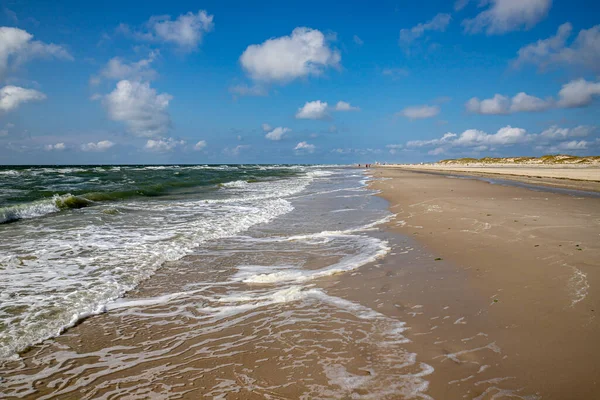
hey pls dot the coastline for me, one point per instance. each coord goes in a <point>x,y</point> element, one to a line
<point>531,256</point>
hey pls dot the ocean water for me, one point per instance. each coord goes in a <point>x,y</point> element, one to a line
<point>210,274</point>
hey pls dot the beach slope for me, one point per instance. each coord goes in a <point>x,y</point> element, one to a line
<point>531,255</point>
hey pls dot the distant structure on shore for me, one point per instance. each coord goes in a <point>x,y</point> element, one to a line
<point>547,159</point>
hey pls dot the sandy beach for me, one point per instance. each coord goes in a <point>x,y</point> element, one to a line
<point>530,261</point>
<point>583,177</point>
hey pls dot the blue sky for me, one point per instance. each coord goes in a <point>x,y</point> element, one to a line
<point>297,82</point>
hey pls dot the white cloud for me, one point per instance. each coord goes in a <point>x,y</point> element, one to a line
<point>186,32</point>
<point>438,23</point>
<point>556,133</point>
<point>578,93</point>
<point>17,47</point>
<point>304,147</point>
<point>361,152</point>
<point>573,145</point>
<point>584,51</point>
<point>140,108</point>
<point>447,138</point>
<point>13,96</point>
<point>305,52</point>
<point>344,106</point>
<point>266,127</point>
<point>277,133</point>
<point>508,15</point>
<point>420,112</point>
<point>524,102</point>
<point>503,137</point>
<point>478,140</point>
<point>497,105</point>
<point>100,146</point>
<point>163,145</point>
<point>55,147</point>
<point>235,150</point>
<point>358,40</point>
<point>118,69</point>
<point>200,145</point>
<point>437,151</point>
<point>313,110</point>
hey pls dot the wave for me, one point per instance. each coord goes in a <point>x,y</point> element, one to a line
<point>42,207</point>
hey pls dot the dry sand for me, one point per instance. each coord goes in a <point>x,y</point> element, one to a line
<point>586,177</point>
<point>522,268</point>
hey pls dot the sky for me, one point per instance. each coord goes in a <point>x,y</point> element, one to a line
<point>297,82</point>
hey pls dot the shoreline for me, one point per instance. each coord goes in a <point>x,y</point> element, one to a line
<point>530,255</point>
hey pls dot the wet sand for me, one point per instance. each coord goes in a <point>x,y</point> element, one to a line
<point>524,272</point>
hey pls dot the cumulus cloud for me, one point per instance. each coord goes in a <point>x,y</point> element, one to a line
<point>508,15</point>
<point>277,133</point>
<point>119,69</point>
<point>186,32</point>
<point>409,36</point>
<point>524,102</point>
<point>420,112</point>
<point>313,110</point>
<point>578,93</point>
<point>498,105</point>
<point>583,52</point>
<point>103,145</point>
<point>344,106</point>
<point>200,145</point>
<point>477,140</point>
<point>573,145</point>
<point>17,47</point>
<point>143,111</point>
<point>55,147</point>
<point>305,52</point>
<point>556,133</point>
<point>304,147</point>
<point>163,145</point>
<point>266,127</point>
<point>13,96</point>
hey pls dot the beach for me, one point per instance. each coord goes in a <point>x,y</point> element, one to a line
<point>574,176</point>
<point>315,282</point>
<point>529,257</point>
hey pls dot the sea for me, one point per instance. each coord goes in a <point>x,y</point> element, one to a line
<point>172,281</point>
